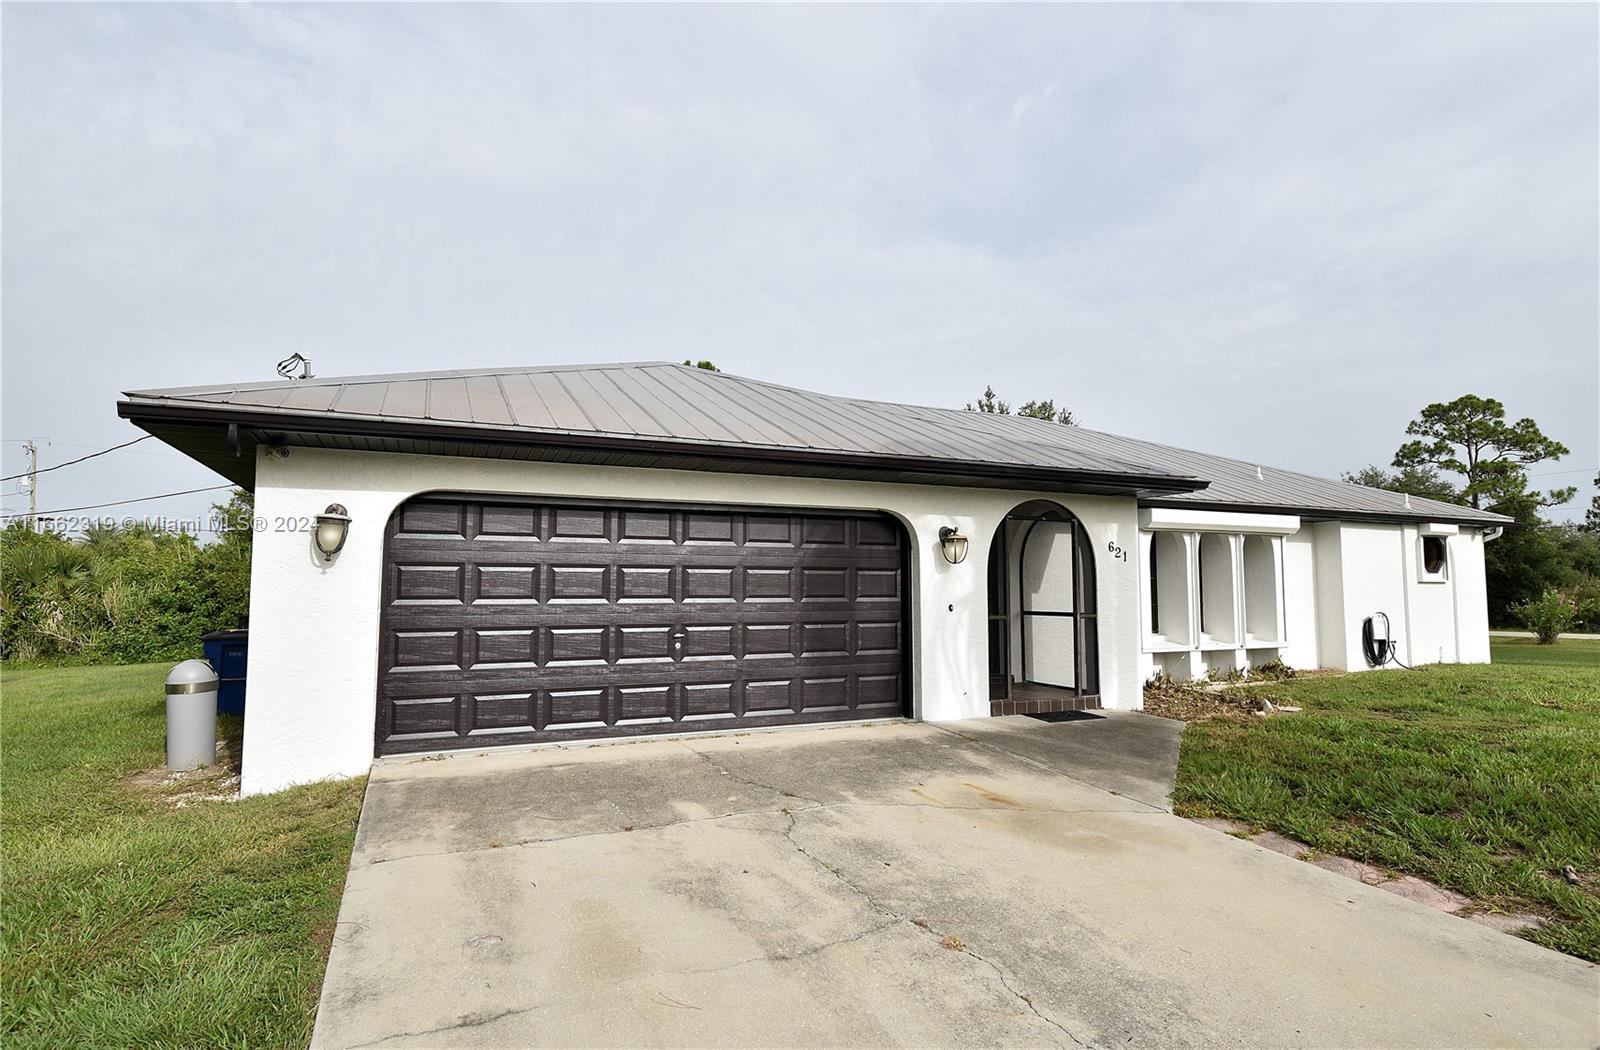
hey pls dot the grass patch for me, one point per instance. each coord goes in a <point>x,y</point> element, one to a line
<point>130,921</point>
<point>1527,652</point>
<point>1484,779</point>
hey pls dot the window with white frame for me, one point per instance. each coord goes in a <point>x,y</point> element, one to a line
<point>1433,559</point>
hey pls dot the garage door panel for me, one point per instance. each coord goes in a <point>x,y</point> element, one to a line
<point>823,532</point>
<point>492,615</point>
<point>423,518</point>
<point>575,708</point>
<point>504,712</point>
<point>432,717</point>
<point>645,526</point>
<point>579,645</point>
<point>429,519</point>
<point>492,678</point>
<point>586,524</point>
<point>481,550</point>
<point>508,522</point>
<point>427,649</point>
<point>500,584</point>
<point>511,643</point>
<point>428,583</point>
<point>430,723</point>
<point>877,532</point>
<point>769,695</point>
<point>505,647</point>
<point>709,699</point>
<point>508,622</point>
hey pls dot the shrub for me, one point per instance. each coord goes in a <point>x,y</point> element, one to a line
<point>1586,592</point>
<point>1549,614</point>
<point>117,595</point>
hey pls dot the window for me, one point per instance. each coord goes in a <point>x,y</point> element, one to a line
<point>1434,558</point>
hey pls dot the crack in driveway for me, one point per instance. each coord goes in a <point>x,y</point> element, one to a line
<point>477,1020</point>
<point>945,940</point>
<point>742,778</point>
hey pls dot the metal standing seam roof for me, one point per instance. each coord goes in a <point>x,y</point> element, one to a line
<point>1245,485</point>
<point>673,406</point>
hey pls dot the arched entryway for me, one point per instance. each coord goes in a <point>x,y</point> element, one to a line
<point>1044,640</point>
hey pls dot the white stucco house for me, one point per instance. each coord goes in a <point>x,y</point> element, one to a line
<point>552,554</point>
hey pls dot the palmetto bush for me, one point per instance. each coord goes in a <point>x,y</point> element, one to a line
<point>116,595</point>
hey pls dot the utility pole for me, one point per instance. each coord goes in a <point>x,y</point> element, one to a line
<point>33,485</point>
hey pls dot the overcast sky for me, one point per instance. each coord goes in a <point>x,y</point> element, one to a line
<point>1273,232</point>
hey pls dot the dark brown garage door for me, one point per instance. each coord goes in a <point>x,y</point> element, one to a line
<point>519,622</point>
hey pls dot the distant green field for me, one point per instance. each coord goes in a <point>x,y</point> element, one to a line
<point>1567,652</point>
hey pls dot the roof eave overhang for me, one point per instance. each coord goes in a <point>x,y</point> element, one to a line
<point>225,437</point>
<point>1478,519</point>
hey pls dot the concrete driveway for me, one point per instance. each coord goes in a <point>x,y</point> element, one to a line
<point>999,882</point>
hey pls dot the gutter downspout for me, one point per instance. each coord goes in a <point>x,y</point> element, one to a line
<point>1494,533</point>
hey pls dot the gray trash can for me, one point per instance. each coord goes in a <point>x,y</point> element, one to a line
<point>191,715</point>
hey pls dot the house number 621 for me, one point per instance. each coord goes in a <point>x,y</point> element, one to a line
<point>1117,551</point>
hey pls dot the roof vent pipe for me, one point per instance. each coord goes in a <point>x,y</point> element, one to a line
<point>295,362</point>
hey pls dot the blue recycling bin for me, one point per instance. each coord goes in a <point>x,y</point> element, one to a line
<point>228,653</point>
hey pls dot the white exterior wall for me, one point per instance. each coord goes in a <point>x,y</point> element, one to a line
<point>314,626</point>
<point>1334,575</point>
<point>1443,621</point>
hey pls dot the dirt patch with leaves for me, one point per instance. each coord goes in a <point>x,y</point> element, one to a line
<point>1189,702</point>
<point>1236,695</point>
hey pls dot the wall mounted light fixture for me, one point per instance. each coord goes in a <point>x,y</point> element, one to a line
<point>954,545</point>
<point>333,525</point>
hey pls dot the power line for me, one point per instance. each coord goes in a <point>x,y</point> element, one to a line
<point>121,502</point>
<point>59,484</point>
<point>80,459</point>
<point>78,444</point>
<point>1553,473</point>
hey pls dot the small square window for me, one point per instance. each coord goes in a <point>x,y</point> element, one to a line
<point>1435,559</point>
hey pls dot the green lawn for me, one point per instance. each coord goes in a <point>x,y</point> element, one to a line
<point>131,922</point>
<point>1526,652</point>
<point>1484,779</point>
